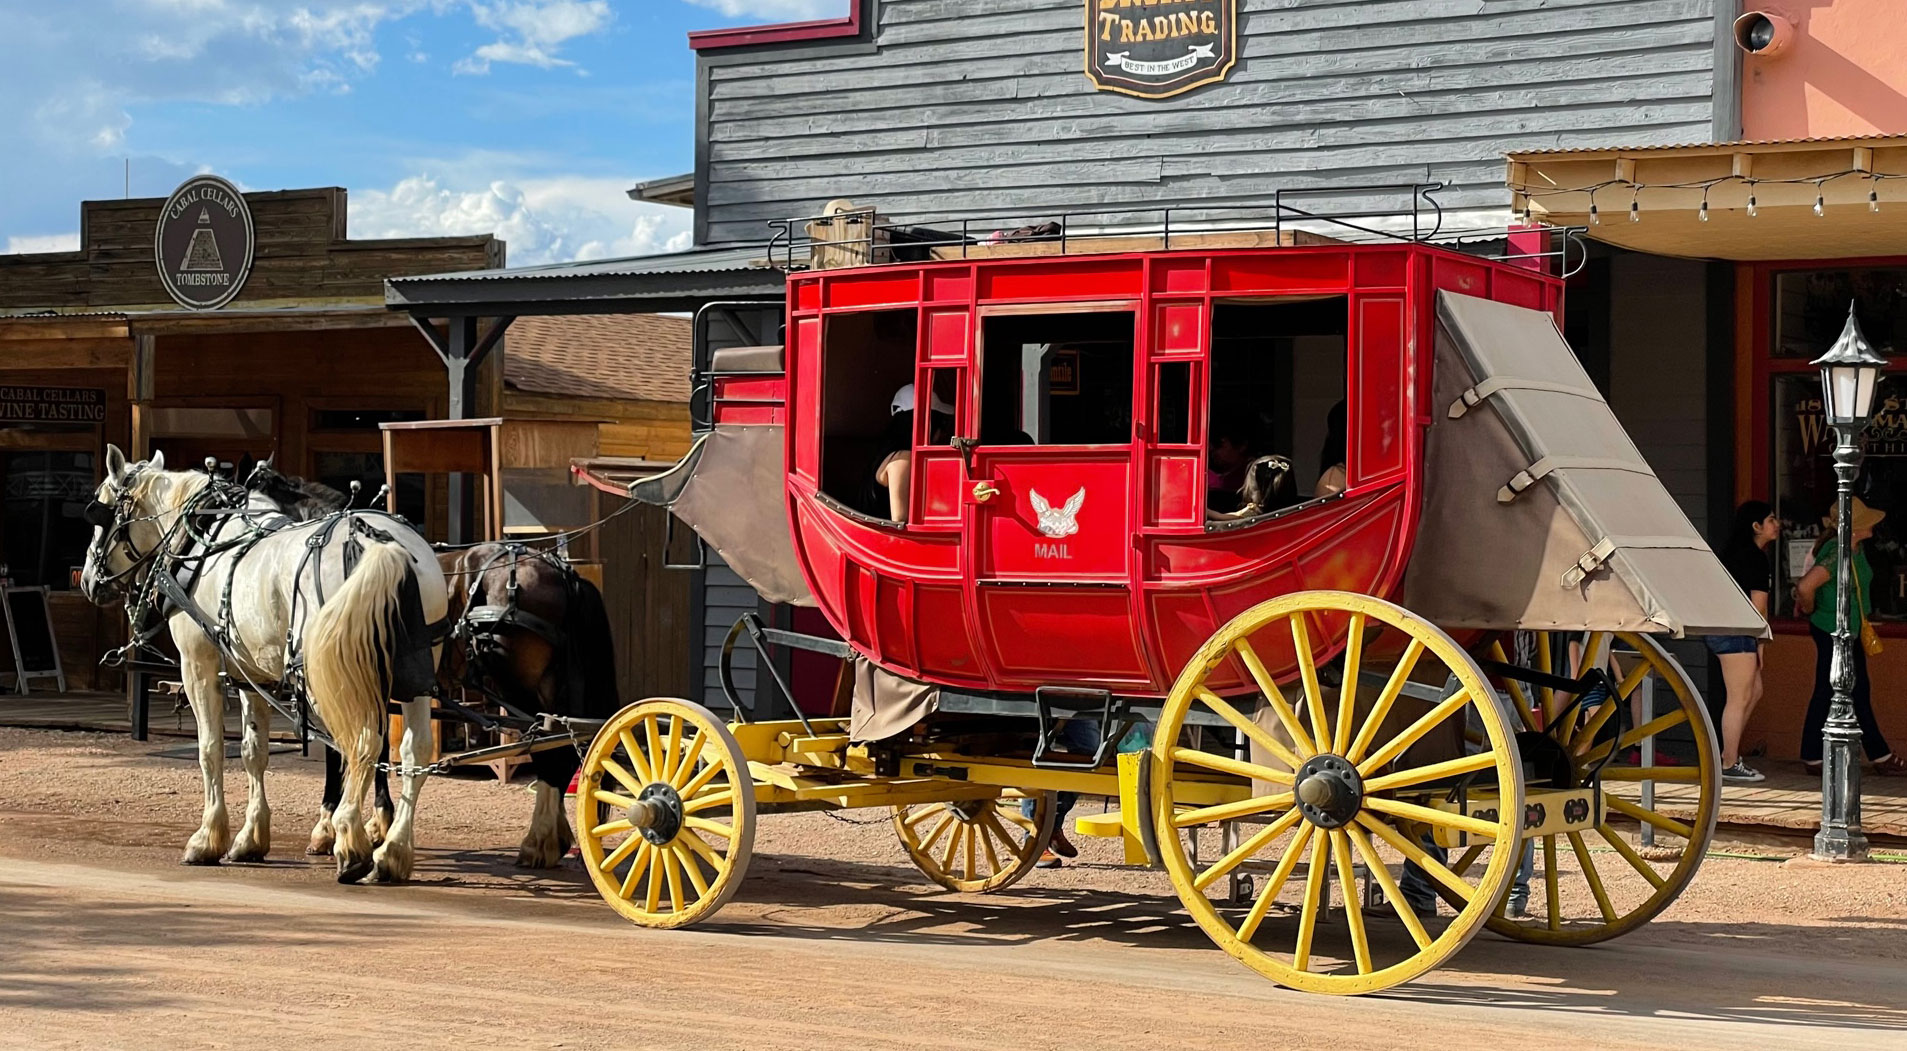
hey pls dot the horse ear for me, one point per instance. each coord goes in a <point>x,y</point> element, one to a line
<point>115,461</point>
<point>158,460</point>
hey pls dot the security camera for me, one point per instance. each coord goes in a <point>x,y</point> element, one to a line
<point>1762,34</point>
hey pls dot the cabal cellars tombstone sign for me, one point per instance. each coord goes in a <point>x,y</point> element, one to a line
<point>1157,48</point>
<point>204,243</point>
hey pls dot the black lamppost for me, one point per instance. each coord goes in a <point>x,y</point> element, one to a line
<point>1850,371</point>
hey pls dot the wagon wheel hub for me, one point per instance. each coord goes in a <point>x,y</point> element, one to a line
<point>1329,791</point>
<point>657,814</point>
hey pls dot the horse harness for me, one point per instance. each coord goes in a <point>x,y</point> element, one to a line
<point>480,627</point>
<point>180,558</point>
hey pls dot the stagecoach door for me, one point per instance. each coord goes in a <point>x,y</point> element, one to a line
<point>1049,491</point>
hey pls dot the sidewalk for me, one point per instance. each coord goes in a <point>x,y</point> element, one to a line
<point>99,711</point>
<point>1788,802</point>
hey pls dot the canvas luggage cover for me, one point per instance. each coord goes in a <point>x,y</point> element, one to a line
<point>728,488</point>
<point>1539,513</point>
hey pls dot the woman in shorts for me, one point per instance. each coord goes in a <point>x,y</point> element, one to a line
<point>1744,553</point>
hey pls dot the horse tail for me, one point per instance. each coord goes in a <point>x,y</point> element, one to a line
<point>356,643</point>
<point>592,649</point>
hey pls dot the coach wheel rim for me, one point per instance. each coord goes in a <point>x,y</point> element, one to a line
<point>665,813</point>
<point>976,846</point>
<point>1573,898</point>
<point>1366,788</point>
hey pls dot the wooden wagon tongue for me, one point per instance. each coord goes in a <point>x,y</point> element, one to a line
<point>1539,512</point>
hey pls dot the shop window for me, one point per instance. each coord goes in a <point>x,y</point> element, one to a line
<point>866,358</point>
<point>257,424</point>
<point>44,531</point>
<point>1811,307</point>
<point>1278,388</point>
<point>1057,379</point>
<point>1804,487</point>
<point>339,469</point>
<point>360,419</point>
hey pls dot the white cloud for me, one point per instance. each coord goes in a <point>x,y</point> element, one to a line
<point>778,10</point>
<point>542,220</point>
<point>72,76</point>
<point>531,32</point>
<point>43,243</point>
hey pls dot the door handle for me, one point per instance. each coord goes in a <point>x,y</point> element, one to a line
<point>984,491</point>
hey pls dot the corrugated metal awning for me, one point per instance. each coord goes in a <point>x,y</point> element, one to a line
<point>651,284</point>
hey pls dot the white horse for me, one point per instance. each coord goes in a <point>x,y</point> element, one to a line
<point>362,636</point>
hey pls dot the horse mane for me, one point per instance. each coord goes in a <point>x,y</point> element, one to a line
<point>299,499</point>
<point>592,648</point>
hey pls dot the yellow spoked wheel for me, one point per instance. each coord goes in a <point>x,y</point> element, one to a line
<point>1334,774</point>
<point>977,845</point>
<point>1588,887</point>
<point>665,811</point>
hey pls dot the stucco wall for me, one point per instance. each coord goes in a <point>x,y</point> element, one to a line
<point>1844,72</point>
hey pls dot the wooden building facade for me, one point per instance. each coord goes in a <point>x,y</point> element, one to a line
<point>945,110</point>
<point>304,364</point>
<point>301,364</point>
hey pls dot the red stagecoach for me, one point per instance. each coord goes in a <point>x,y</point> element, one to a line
<point>1339,717</point>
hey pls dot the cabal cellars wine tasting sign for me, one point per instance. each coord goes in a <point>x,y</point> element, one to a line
<point>204,243</point>
<point>1157,48</point>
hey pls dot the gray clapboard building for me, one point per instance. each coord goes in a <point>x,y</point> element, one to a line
<point>949,109</point>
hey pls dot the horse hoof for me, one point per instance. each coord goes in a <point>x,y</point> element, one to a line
<point>317,849</point>
<point>199,860</point>
<point>354,872</point>
<point>243,857</point>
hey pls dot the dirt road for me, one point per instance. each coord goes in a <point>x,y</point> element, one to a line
<point>833,942</point>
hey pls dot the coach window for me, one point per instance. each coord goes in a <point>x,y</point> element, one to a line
<point>866,358</point>
<point>1057,379</point>
<point>1278,377</point>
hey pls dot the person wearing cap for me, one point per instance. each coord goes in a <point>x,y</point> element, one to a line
<point>1816,596</point>
<point>893,468</point>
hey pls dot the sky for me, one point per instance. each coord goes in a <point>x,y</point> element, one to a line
<point>529,119</point>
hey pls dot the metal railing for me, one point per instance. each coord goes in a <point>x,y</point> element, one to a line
<point>794,242</point>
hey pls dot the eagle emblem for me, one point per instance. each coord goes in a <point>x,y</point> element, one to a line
<point>1062,521</point>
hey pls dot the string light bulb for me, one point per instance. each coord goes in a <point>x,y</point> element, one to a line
<point>1635,203</point>
<point>1751,200</point>
<point>1874,195</point>
<point>1595,218</point>
<point>1820,204</point>
<point>1703,214</point>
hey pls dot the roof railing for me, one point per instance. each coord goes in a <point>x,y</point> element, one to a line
<point>855,236</point>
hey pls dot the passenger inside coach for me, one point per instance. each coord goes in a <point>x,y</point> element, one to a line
<point>888,489</point>
<point>1277,368</point>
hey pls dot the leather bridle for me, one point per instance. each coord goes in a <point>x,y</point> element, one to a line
<point>115,522</point>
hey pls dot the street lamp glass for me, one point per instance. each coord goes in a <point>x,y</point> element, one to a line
<point>1849,392</point>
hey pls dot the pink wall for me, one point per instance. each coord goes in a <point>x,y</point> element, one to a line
<point>1844,73</point>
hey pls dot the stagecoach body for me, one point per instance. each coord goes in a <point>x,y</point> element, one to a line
<point>1058,561</point>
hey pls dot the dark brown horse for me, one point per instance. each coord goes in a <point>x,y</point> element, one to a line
<point>526,631</point>
<point>533,634</point>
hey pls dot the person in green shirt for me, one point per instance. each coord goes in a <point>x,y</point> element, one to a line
<point>1816,595</point>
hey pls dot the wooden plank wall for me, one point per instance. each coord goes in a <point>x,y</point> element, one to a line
<point>971,110</point>
<point>649,606</point>
<point>301,255</point>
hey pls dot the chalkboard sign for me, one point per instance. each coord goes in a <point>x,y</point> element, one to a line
<point>36,653</point>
